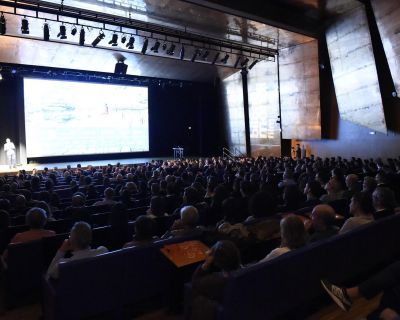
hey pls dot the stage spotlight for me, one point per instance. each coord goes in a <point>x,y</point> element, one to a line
<point>82,37</point>
<point>63,32</point>
<point>182,53</point>
<point>156,47</point>
<point>253,64</point>
<point>74,31</point>
<point>123,39</point>
<point>224,60</point>
<point>196,53</point>
<point>120,68</point>
<point>114,40</point>
<point>46,32</point>
<point>3,26</point>
<point>205,55</point>
<point>237,62</point>
<point>131,43</point>
<point>244,62</point>
<point>171,50</point>
<point>100,37</point>
<point>164,46</point>
<point>216,58</point>
<point>24,26</point>
<point>145,45</point>
<point>1,76</point>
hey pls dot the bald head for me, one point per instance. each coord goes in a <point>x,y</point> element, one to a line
<point>351,181</point>
<point>189,216</point>
<point>323,217</point>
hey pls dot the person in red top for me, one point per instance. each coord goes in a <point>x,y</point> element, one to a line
<point>36,219</point>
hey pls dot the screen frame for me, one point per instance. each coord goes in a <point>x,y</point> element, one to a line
<point>87,156</point>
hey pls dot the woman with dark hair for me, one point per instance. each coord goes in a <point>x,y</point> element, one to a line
<point>293,235</point>
<point>210,278</point>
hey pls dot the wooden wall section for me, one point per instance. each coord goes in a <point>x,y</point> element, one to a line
<point>354,71</point>
<point>300,92</point>
<point>387,14</point>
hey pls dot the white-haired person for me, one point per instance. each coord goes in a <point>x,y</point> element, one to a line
<point>187,225</point>
<point>78,244</point>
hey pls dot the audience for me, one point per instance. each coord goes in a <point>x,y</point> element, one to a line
<point>186,225</point>
<point>293,235</point>
<point>384,202</point>
<point>362,210</point>
<point>78,244</point>
<point>323,222</point>
<point>36,219</point>
<point>144,232</point>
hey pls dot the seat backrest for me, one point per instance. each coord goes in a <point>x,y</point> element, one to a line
<point>25,268</point>
<point>91,286</point>
<point>268,290</point>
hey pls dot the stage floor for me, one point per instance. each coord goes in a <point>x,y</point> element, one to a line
<point>62,165</point>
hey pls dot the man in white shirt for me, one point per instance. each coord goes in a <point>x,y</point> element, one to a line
<point>79,243</point>
<point>9,149</point>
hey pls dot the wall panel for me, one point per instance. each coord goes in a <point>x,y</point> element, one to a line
<point>354,71</point>
<point>300,94</point>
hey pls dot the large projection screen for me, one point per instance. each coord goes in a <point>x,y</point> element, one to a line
<point>76,118</point>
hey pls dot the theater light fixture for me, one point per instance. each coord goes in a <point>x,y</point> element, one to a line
<point>216,58</point>
<point>244,62</point>
<point>123,39</point>
<point>82,37</point>
<point>171,50</point>
<point>145,45</point>
<point>100,37</point>
<point>63,32</point>
<point>156,47</point>
<point>3,25</point>
<point>164,46</point>
<point>46,32</point>
<point>224,60</point>
<point>114,40</point>
<point>120,68</point>
<point>195,54</point>
<point>131,43</point>
<point>182,53</point>
<point>253,64</point>
<point>205,55</point>
<point>237,62</point>
<point>74,30</point>
<point>24,26</point>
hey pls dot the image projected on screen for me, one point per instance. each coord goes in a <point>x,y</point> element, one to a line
<point>74,118</point>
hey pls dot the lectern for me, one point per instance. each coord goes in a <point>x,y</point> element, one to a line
<point>178,153</point>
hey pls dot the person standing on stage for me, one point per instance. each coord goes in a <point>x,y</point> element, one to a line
<point>9,149</point>
<point>298,152</point>
<point>303,152</point>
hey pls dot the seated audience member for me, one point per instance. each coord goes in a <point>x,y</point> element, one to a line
<point>4,223</point>
<point>36,219</point>
<point>334,189</point>
<point>77,211</point>
<point>262,225</point>
<point>173,200</point>
<point>157,207</point>
<point>20,207</point>
<point>118,234</point>
<point>230,225</point>
<point>144,232</point>
<point>313,191</point>
<point>362,210</point>
<point>369,184</point>
<point>288,180</point>
<point>210,278</point>
<point>384,202</point>
<point>108,198</point>
<point>293,234</point>
<point>91,192</point>
<point>186,225</point>
<point>5,205</point>
<point>386,281</point>
<point>43,205</point>
<point>214,213</point>
<point>323,222</point>
<point>353,186</point>
<point>79,244</point>
<point>292,199</point>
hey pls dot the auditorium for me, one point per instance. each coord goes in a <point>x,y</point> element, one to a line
<point>199,159</point>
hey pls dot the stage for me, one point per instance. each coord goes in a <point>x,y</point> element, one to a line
<point>4,169</point>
